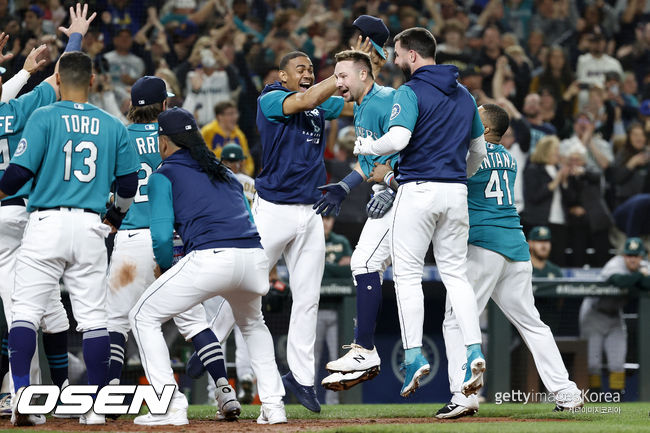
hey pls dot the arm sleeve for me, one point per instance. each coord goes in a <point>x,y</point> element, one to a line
<point>14,178</point>
<point>625,280</point>
<point>11,88</point>
<point>248,208</point>
<point>271,105</point>
<point>125,188</point>
<point>477,126</point>
<point>476,155</point>
<point>23,107</point>
<point>393,141</point>
<point>32,147</point>
<point>332,107</point>
<point>162,219</point>
<point>127,157</point>
<point>405,110</point>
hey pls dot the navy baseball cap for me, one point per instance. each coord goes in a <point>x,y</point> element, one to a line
<point>644,108</point>
<point>37,10</point>
<point>375,29</point>
<point>176,121</point>
<point>634,247</point>
<point>232,152</point>
<point>149,90</point>
<point>539,233</point>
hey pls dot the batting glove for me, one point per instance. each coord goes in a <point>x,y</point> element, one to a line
<point>115,216</point>
<point>336,193</point>
<point>362,146</point>
<point>380,203</point>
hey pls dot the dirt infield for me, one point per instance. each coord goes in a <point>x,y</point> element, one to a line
<point>249,425</point>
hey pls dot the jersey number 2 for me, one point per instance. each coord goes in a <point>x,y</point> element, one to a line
<point>147,170</point>
<point>493,187</point>
<point>89,161</point>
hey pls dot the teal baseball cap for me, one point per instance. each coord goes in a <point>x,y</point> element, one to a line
<point>375,29</point>
<point>634,247</point>
<point>539,233</point>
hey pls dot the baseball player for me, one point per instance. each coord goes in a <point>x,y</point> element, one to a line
<point>601,319</point>
<point>501,269</point>
<point>74,152</point>
<point>539,243</point>
<point>291,116</point>
<point>433,123</point>
<point>132,261</point>
<point>355,80</point>
<point>13,214</point>
<point>232,156</point>
<point>196,194</point>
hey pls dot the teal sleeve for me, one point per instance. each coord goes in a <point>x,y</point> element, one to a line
<point>23,107</point>
<point>405,109</point>
<point>332,107</point>
<point>477,125</point>
<point>127,156</point>
<point>248,208</point>
<point>271,105</point>
<point>162,219</point>
<point>347,249</point>
<point>32,146</point>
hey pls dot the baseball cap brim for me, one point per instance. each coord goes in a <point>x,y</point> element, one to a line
<point>379,49</point>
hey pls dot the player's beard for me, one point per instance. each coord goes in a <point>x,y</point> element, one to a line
<point>407,71</point>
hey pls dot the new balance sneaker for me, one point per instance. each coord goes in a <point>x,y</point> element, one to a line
<point>92,418</point>
<point>272,414</point>
<point>475,368</point>
<point>414,372</point>
<point>358,358</point>
<point>246,390</point>
<point>23,420</point>
<point>344,381</point>
<point>306,395</point>
<point>568,400</point>
<point>5,404</point>
<point>195,367</point>
<point>229,407</point>
<point>453,411</point>
<point>176,414</point>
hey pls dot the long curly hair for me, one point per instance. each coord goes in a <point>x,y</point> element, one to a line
<point>193,141</point>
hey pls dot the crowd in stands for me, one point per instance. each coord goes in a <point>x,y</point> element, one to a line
<point>574,76</point>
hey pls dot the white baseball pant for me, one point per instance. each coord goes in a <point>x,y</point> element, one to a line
<point>240,275</point>
<point>603,331</point>
<point>372,253</point>
<point>426,212</point>
<point>509,284</point>
<point>295,231</point>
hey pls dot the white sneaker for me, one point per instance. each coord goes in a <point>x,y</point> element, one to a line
<point>344,381</point>
<point>229,407</point>
<point>5,404</point>
<point>92,418</point>
<point>272,414</point>
<point>358,358</point>
<point>23,420</point>
<point>568,400</point>
<point>176,414</point>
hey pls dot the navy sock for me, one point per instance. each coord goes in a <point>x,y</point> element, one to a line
<point>22,345</point>
<point>368,303</point>
<point>96,349</point>
<point>117,357</point>
<point>56,350</point>
<point>4,356</point>
<point>209,350</point>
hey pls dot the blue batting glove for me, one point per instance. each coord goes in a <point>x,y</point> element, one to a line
<point>331,201</point>
<point>380,203</point>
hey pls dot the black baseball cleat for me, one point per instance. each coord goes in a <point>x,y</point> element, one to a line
<point>453,411</point>
<point>306,395</point>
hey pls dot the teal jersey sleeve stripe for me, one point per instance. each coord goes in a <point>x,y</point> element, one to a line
<point>271,105</point>
<point>248,208</point>
<point>405,109</point>
<point>477,125</point>
<point>332,107</point>
<point>162,219</point>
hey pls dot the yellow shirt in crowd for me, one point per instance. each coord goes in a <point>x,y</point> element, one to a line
<point>215,139</point>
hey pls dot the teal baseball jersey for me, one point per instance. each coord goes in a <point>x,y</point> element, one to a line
<point>13,117</point>
<point>493,220</point>
<point>75,152</point>
<point>145,138</point>
<point>371,119</point>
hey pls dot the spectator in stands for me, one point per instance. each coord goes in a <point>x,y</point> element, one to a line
<point>533,113</point>
<point>183,38</point>
<point>593,66</point>
<point>5,15</point>
<point>629,93</point>
<point>555,19</point>
<point>601,319</point>
<point>223,130</point>
<point>544,179</point>
<point>632,165</point>
<point>588,218</point>
<point>536,49</point>
<point>33,23</point>
<point>539,242</point>
<point>124,67</point>
<point>556,76</point>
<point>599,152</point>
<point>488,55</point>
<point>123,14</point>
<point>337,265</point>
<point>233,157</point>
<point>452,50</point>
<point>552,113</point>
<point>516,17</point>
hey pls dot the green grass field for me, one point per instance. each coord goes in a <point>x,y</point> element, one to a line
<point>619,417</point>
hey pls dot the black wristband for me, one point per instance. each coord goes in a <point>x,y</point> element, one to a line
<point>114,216</point>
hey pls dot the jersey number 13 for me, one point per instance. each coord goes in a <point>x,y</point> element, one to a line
<point>90,166</point>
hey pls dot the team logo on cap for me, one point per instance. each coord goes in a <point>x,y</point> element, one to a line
<point>188,127</point>
<point>543,231</point>
<point>395,111</point>
<point>141,101</point>
<point>634,245</point>
<point>22,146</point>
